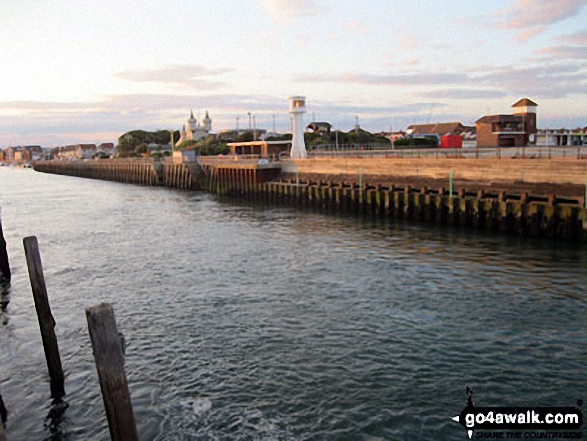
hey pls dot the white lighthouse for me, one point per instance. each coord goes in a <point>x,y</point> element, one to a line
<point>297,108</point>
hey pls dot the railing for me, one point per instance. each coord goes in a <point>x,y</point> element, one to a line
<point>541,152</point>
<point>237,159</point>
<point>149,160</point>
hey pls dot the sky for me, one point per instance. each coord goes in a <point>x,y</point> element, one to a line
<point>87,71</point>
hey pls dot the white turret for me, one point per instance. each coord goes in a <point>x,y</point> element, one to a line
<point>192,126</point>
<point>207,122</point>
<point>297,108</point>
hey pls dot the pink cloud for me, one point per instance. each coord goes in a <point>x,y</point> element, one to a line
<point>578,38</point>
<point>186,75</point>
<point>531,17</point>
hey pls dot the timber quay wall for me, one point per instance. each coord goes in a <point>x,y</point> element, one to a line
<point>523,214</point>
<point>518,212</point>
<point>151,173</point>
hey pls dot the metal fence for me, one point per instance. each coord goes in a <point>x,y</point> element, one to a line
<point>540,152</point>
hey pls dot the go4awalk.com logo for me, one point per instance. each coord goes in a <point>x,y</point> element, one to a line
<point>521,422</point>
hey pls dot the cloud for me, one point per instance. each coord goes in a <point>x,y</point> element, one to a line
<point>187,75</point>
<point>552,81</point>
<point>292,9</point>
<point>413,79</point>
<point>463,94</point>
<point>60,123</point>
<point>578,38</point>
<point>531,17</point>
<point>565,52</point>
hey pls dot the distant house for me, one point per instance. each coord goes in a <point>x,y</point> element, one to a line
<point>8,154</point>
<point>562,137</point>
<point>106,147</point>
<point>21,155</point>
<point>85,151</point>
<point>36,152</point>
<point>515,130</point>
<point>438,129</point>
<point>322,128</point>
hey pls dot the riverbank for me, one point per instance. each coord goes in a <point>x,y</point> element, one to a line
<point>529,197</point>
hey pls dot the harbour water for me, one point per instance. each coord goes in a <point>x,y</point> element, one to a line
<point>252,322</point>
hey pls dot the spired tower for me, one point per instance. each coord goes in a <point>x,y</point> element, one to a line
<point>192,127</point>
<point>207,122</point>
<point>527,110</point>
<point>297,108</point>
<point>194,131</point>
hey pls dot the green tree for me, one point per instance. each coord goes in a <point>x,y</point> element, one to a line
<point>142,148</point>
<point>245,137</point>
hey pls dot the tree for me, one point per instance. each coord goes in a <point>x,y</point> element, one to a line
<point>142,148</point>
<point>129,141</point>
<point>245,137</point>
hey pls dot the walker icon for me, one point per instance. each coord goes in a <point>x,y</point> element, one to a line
<point>470,407</point>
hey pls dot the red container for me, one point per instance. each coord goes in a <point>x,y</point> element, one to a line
<point>451,142</point>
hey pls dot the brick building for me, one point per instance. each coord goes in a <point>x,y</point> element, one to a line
<point>515,130</point>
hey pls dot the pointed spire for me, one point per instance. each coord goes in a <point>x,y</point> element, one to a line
<point>191,113</point>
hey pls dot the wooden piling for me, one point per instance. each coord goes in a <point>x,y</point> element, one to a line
<point>5,274</point>
<point>46,320</point>
<point>3,418</point>
<point>109,360</point>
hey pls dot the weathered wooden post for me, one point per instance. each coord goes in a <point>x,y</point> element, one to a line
<point>5,274</point>
<point>3,418</point>
<point>109,361</point>
<point>46,320</point>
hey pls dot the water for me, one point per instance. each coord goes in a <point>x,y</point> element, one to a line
<point>248,322</point>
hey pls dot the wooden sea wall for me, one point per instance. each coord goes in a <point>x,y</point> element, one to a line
<point>518,212</point>
<point>523,213</point>
<point>150,173</point>
<point>505,170</point>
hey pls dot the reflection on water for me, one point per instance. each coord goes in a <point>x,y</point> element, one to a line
<point>255,322</point>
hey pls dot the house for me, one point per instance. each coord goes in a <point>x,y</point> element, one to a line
<point>9,154</point>
<point>21,155</point>
<point>322,128</point>
<point>438,129</point>
<point>36,152</point>
<point>107,148</point>
<point>85,151</point>
<point>67,152</point>
<point>561,137</point>
<point>515,130</point>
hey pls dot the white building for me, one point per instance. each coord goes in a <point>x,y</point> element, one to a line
<point>192,131</point>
